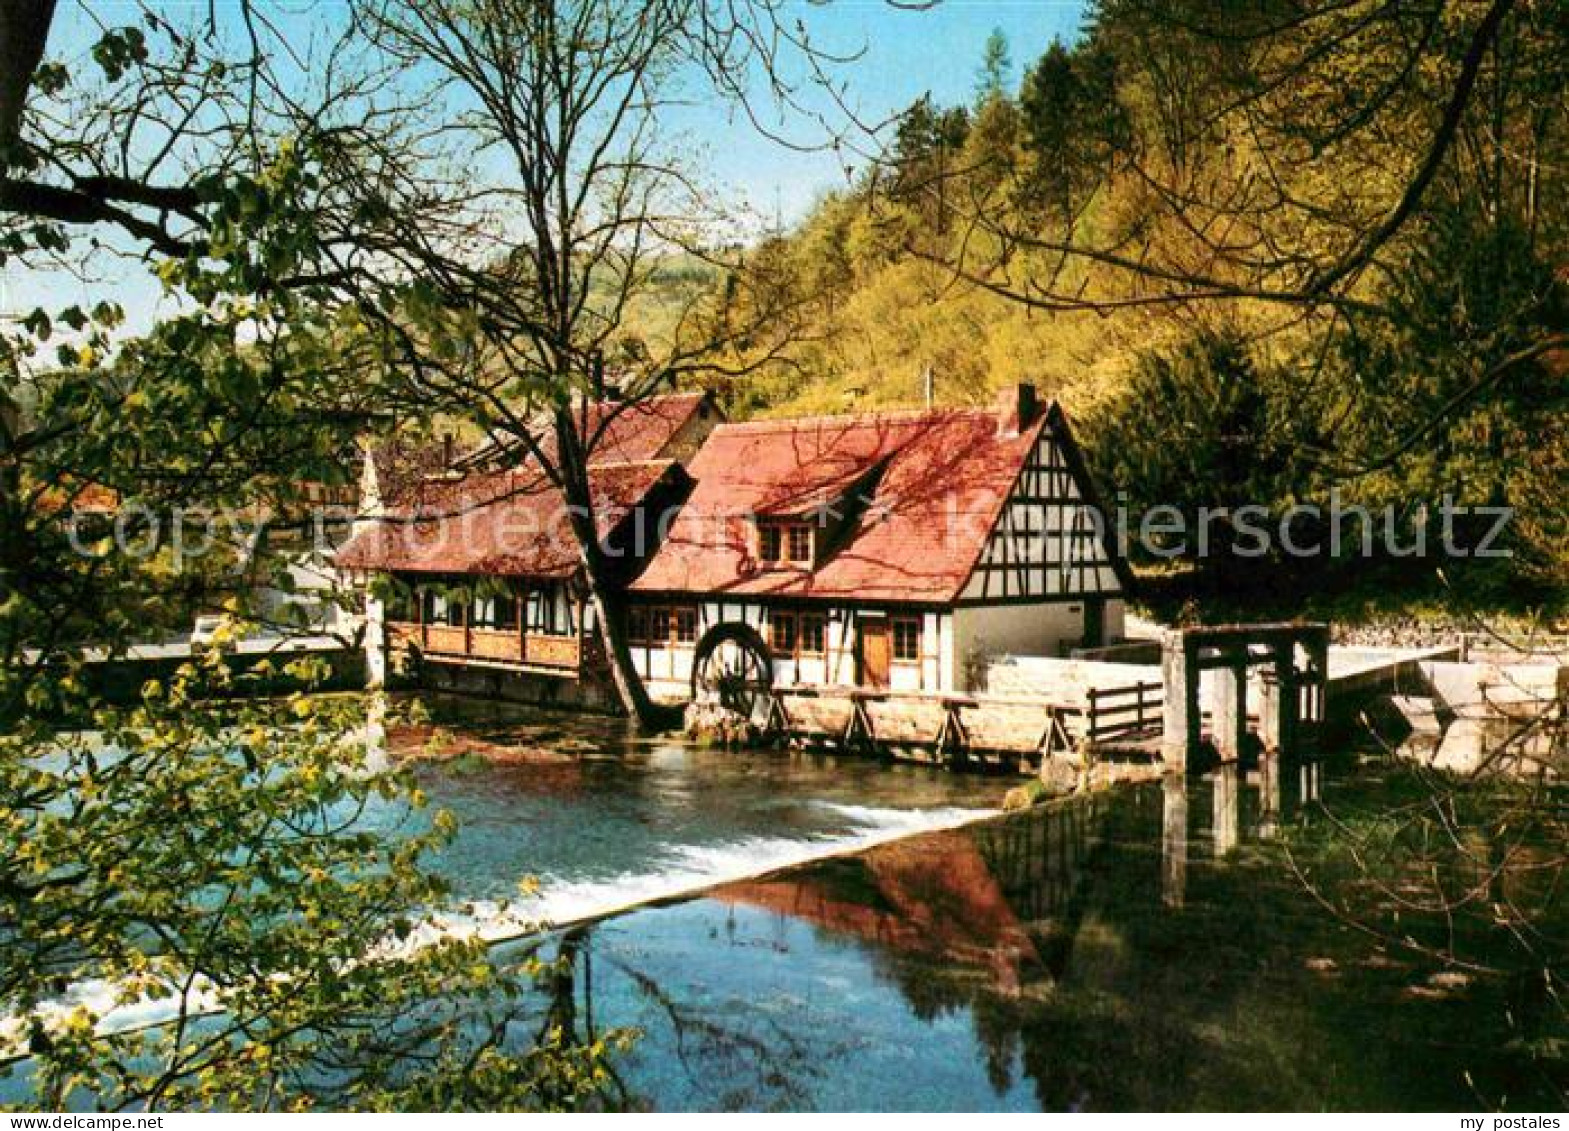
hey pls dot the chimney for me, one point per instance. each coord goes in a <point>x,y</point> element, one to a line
<point>1020,407</point>
<point>446,451</point>
<point>929,385</point>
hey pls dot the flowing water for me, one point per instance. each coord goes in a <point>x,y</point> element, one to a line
<point>597,818</point>
<point>835,933</point>
<point>1208,944</point>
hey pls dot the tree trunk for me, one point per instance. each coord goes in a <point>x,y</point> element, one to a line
<point>609,608</point>
<point>24,30</point>
<point>607,601</point>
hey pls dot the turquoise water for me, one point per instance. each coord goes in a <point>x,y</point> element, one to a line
<point>831,934</point>
<point>600,818</point>
<point>1153,947</point>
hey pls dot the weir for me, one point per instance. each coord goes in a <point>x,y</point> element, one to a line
<point>1294,688</point>
<point>1019,732</point>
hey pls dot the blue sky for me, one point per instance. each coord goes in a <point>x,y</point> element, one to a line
<point>904,53</point>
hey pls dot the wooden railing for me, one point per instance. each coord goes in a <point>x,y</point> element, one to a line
<point>491,644</point>
<point>954,726</point>
<point>1117,711</point>
<point>552,651</point>
<point>957,725</point>
<point>443,638</point>
<point>497,645</point>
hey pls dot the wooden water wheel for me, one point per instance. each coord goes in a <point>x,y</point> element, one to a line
<point>733,668</point>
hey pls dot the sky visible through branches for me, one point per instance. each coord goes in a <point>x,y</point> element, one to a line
<point>900,52</point>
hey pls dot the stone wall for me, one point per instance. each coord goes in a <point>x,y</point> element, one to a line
<point>516,687</point>
<point>1061,681</point>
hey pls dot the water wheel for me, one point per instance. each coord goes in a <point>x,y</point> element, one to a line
<point>733,668</point>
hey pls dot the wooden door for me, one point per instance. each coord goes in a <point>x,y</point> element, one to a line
<point>876,653</point>
<point>1094,622</point>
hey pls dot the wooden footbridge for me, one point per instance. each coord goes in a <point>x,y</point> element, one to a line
<point>1005,732</point>
<point>1139,710</point>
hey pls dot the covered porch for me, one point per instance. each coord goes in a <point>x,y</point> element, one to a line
<point>526,624</point>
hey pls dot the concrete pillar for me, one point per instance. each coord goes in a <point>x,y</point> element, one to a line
<point>1174,840</point>
<point>1269,793</point>
<point>1269,711</point>
<point>1290,699</point>
<point>1227,800</point>
<point>1229,711</point>
<point>1181,729</point>
<point>1317,648</point>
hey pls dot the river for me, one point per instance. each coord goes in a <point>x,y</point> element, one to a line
<point>1192,945</point>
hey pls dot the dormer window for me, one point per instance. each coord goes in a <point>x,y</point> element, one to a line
<point>799,549</point>
<point>784,543</point>
<point>770,540</point>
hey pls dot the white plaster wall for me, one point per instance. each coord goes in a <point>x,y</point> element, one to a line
<point>375,642</point>
<point>1045,629</point>
<point>1062,681</point>
<point>667,671</point>
<point>904,677</point>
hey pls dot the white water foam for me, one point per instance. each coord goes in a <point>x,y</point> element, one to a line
<point>685,871</point>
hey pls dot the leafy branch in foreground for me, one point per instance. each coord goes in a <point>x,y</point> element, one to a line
<point>220,904</point>
<point>1464,874</point>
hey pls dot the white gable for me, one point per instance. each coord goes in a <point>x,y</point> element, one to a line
<point>1047,542</point>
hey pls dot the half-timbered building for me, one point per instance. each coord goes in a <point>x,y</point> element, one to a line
<point>477,563</point>
<point>892,550</point>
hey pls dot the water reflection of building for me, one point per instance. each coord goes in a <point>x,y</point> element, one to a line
<point>1057,933</point>
<point>1008,897</point>
<point>1000,898</point>
<point>935,896</point>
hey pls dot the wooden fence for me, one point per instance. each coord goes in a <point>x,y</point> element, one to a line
<point>1116,712</point>
<point>952,729</point>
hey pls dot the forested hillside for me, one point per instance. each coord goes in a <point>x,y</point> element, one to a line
<point>1260,251</point>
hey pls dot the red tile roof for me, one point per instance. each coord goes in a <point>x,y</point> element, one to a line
<point>936,895</point>
<point>626,433</point>
<point>617,431</point>
<point>937,481</point>
<point>511,521</point>
<point>503,523</point>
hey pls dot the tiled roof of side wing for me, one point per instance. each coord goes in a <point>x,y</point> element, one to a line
<point>505,523</point>
<point>620,431</point>
<point>511,520</point>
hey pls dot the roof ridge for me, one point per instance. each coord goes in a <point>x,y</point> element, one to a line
<point>782,423</point>
<point>657,461</point>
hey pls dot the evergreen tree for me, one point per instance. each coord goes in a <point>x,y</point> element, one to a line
<point>995,75</point>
